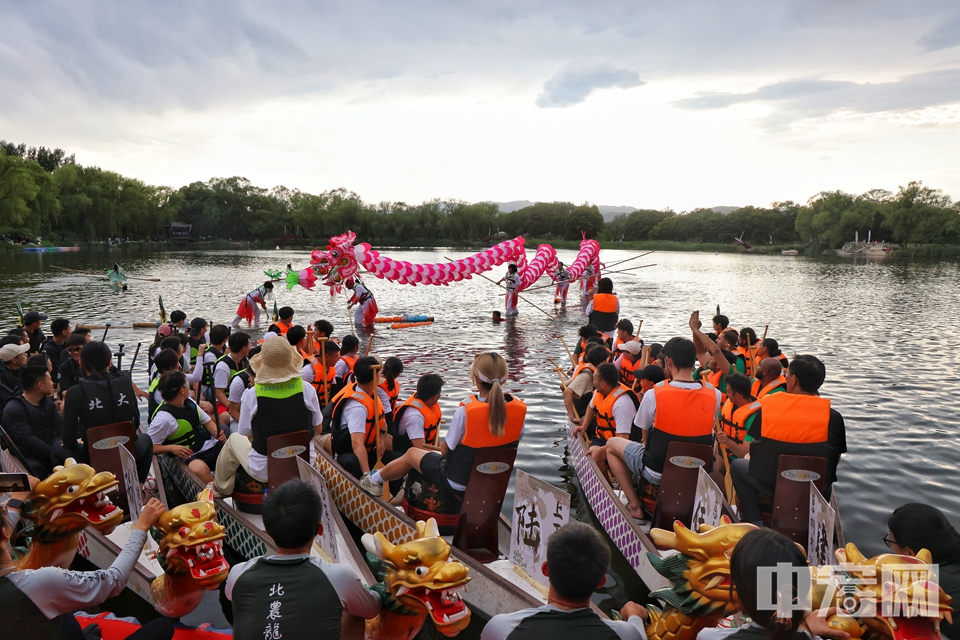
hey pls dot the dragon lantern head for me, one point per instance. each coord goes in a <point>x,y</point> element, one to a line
<point>894,596</point>
<point>338,263</point>
<point>71,498</point>
<point>192,541</point>
<point>701,571</point>
<point>420,576</point>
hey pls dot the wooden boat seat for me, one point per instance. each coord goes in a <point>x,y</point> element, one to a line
<point>282,454</point>
<point>678,486</point>
<point>102,442</point>
<point>791,498</point>
<point>476,532</point>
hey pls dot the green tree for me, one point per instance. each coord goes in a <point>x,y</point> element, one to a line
<point>919,214</point>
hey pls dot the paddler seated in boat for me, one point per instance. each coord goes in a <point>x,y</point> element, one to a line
<point>604,309</point>
<point>207,398</point>
<point>586,332</point>
<point>196,336</point>
<point>280,403</point>
<point>681,410</point>
<point>322,374</point>
<point>33,421</point>
<point>746,350</point>
<point>916,526</point>
<point>296,593</point>
<point>417,421</point>
<point>179,427</point>
<point>770,348</point>
<point>720,323</point>
<point>348,359</point>
<point>648,377</point>
<point>719,361</point>
<point>99,399</point>
<point>624,334</point>
<point>230,365</point>
<point>770,379</point>
<point>322,329</point>
<point>491,418</point>
<point>40,603</point>
<point>740,410</point>
<point>241,383</point>
<point>358,416</point>
<point>297,337</point>
<point>578,390</point>
<point>284,320</point>
<point>392,368</point>
<point>798,422</point>
<point>628,361</point>
<point>615,406</point>
<point>577,562</point>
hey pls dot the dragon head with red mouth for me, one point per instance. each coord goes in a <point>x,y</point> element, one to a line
<point>338,263</point>
<point>419,577</point>
<point>73,497</point>
<point>192,542</point>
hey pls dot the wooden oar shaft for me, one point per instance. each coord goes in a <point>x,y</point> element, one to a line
<point>640,255</point>
<point>573,360</point>
<point>547,286</point>
<point>369,344</point>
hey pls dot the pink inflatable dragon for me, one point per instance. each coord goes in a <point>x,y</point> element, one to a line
<point>342,260</point>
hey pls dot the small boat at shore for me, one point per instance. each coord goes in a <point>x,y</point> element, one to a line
<point>789,252</point>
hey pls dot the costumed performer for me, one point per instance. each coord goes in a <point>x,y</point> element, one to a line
<point>366,304</point>
<point>510,282</point>
<point>251,304</point>
<point>563,284</point>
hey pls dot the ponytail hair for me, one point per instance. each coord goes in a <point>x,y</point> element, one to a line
<point>490,373</point>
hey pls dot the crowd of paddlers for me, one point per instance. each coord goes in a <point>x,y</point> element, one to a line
<point>216,395</point>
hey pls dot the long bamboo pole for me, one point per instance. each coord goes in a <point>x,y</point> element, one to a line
<point>550,315</point>
<point>100,275</point>
<point>573,360</point>
<point>606,273</point>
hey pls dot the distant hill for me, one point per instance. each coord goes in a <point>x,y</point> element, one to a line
<point>609,211</point>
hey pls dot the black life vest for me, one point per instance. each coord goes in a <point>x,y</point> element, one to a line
<point>106,400</point>
<point>280,409</point>
<point>190,430</point>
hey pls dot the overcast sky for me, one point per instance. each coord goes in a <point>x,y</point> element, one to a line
<point>650,104</point>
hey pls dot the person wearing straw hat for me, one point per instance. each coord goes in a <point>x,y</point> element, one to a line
<point>278,403</point>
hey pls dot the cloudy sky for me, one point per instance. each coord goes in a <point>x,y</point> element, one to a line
<point>649,104</point>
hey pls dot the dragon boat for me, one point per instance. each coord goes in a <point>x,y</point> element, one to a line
<point>495,586</point>
<point>631,537</point>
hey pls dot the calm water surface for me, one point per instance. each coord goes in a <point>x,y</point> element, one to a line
<point>887,334</point>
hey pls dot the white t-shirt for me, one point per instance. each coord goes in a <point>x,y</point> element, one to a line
<point>257,462</point>
<point>342,369</point>
<point>165,425</point>
<point>623,413</point>
<point>237,387</point>
<point>221,375</point>
<point>411,424</point>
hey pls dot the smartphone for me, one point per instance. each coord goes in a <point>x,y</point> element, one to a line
<point>14,482</point>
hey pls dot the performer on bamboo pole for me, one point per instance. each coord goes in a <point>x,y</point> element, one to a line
<point>251,304</point>
<point>510,283</point>
<point>366,304</point>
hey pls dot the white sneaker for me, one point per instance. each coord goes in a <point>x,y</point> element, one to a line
<point>371,487</point>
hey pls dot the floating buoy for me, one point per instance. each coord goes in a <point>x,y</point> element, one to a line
<point>392,319</point>
<point>407,325</point>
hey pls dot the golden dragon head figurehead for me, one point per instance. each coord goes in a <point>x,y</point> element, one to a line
<point>71,498</point>
<point>894,596</point>
<point>700,573</point>
<point>420,576</point>
<point>193,541</point>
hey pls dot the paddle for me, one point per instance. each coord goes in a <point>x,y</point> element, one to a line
<point>376,425</point>
<point>569,353</point>
<point>727,478</point>
<point>616,262</point>
<point>493,282</point>
<point>369,344</point>
<point>100,275</point>
<point>326,375</point>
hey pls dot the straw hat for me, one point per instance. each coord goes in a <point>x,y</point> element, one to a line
<point>277,362</point>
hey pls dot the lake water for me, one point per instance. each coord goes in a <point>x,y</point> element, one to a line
<point>887,333</point>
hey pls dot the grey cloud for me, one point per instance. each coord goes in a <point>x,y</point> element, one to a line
<point>812,98</point>
<point>573,84</point>
<point>944,36</point>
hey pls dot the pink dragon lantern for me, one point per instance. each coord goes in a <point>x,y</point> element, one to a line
<point>342,260</point>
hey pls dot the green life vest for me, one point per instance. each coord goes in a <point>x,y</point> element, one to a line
<point>235,367</point>
<point>190,430</point>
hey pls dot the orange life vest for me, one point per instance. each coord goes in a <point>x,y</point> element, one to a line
<point>742,351</point>
<point>392,395</point>
<point>617,343</point>
<point>319,381</point>
<point>350,360</point>
<point>605,303</point>
<point>790,417</point>
<point>778,385</point>
<point>734,419</point>
<point>372,405</point>
<point>283,326</point>
<point>476,434</point>
<point>431,417</point>
<point>580,368</point>
<point>603,408</point>
<point>628,371</point>
<point>685,412</point>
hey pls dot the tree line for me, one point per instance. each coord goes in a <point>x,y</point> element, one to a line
<point>44,192</point>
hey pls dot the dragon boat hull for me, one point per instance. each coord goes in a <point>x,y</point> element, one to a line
<point>102,550</point>
<point>493,589</point>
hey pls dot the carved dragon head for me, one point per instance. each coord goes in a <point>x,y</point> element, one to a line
<point>894,596</point>
<point>338,263</point>
<point>192,541</point>
<point>700,573</point>
<point>71,498</point>
<point>420,577</point>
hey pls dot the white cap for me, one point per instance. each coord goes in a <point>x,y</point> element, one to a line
<point>632,346</point>
<point>10,351</point>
